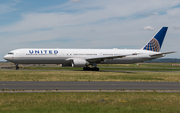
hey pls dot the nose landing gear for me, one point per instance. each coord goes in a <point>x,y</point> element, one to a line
<point>17,66</point>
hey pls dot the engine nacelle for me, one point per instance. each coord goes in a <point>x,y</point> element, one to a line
<point>79,62</point>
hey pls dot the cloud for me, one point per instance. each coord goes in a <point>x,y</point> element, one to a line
<point>106,11</point>
<point>149,14</point>
<point>176,27</point>
<point>17,0</point>
<point>174,12</point>
<point>75,0</point>
<point>92,24</point>
<point>5,8</point>
<point>148,28</point>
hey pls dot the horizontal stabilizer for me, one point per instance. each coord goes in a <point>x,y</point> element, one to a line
<point>161,54</point>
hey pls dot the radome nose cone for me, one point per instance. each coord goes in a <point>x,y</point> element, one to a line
<point>6,57</point>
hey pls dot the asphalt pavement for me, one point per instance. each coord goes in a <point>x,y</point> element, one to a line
<point>43,85</point>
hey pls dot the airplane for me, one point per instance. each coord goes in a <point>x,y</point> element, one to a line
<point>89,58</point>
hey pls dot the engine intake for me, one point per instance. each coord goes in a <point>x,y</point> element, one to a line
<point>79,63</point>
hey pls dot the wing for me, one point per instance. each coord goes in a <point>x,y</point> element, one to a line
<point>102,58</point>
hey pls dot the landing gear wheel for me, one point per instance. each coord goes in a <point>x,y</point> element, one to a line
<point>86,68</point>
<point>90,69</point>
<point>95,69</point>
<point>17,66</point>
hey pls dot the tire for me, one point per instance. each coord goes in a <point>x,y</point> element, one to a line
<point>86,68</point>
<point>96,69</point>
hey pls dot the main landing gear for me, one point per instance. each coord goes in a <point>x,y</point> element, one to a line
<point>17,66</point>
<point>94,68</point>
<point>91,69</point>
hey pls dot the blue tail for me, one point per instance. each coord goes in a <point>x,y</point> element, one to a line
<point>156,42</point>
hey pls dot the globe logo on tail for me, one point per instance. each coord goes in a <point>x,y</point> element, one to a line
<point>153,45</point>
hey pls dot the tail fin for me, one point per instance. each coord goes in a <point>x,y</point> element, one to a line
<point>156,42</point>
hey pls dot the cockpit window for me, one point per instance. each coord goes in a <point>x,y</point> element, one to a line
<point>10,53</point>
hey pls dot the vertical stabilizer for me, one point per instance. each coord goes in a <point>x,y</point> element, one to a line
<point>156,42</point>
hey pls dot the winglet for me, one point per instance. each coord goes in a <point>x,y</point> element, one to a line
<point>156,42</point>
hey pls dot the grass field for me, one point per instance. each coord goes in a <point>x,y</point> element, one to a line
<point>153,72</point>
<point>50,75</point>
<point>105,66</point>
<point>99,102</point>
<point>90,102</point>
<point>131,67</point>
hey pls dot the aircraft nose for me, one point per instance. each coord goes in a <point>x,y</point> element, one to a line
<point>7,57</point>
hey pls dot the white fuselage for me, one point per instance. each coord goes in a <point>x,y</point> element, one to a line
<point>62,56</point>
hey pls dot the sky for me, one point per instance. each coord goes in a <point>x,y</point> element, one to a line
<point>95,24</point>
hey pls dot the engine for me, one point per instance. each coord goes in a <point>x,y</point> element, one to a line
<point>79,63</point>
